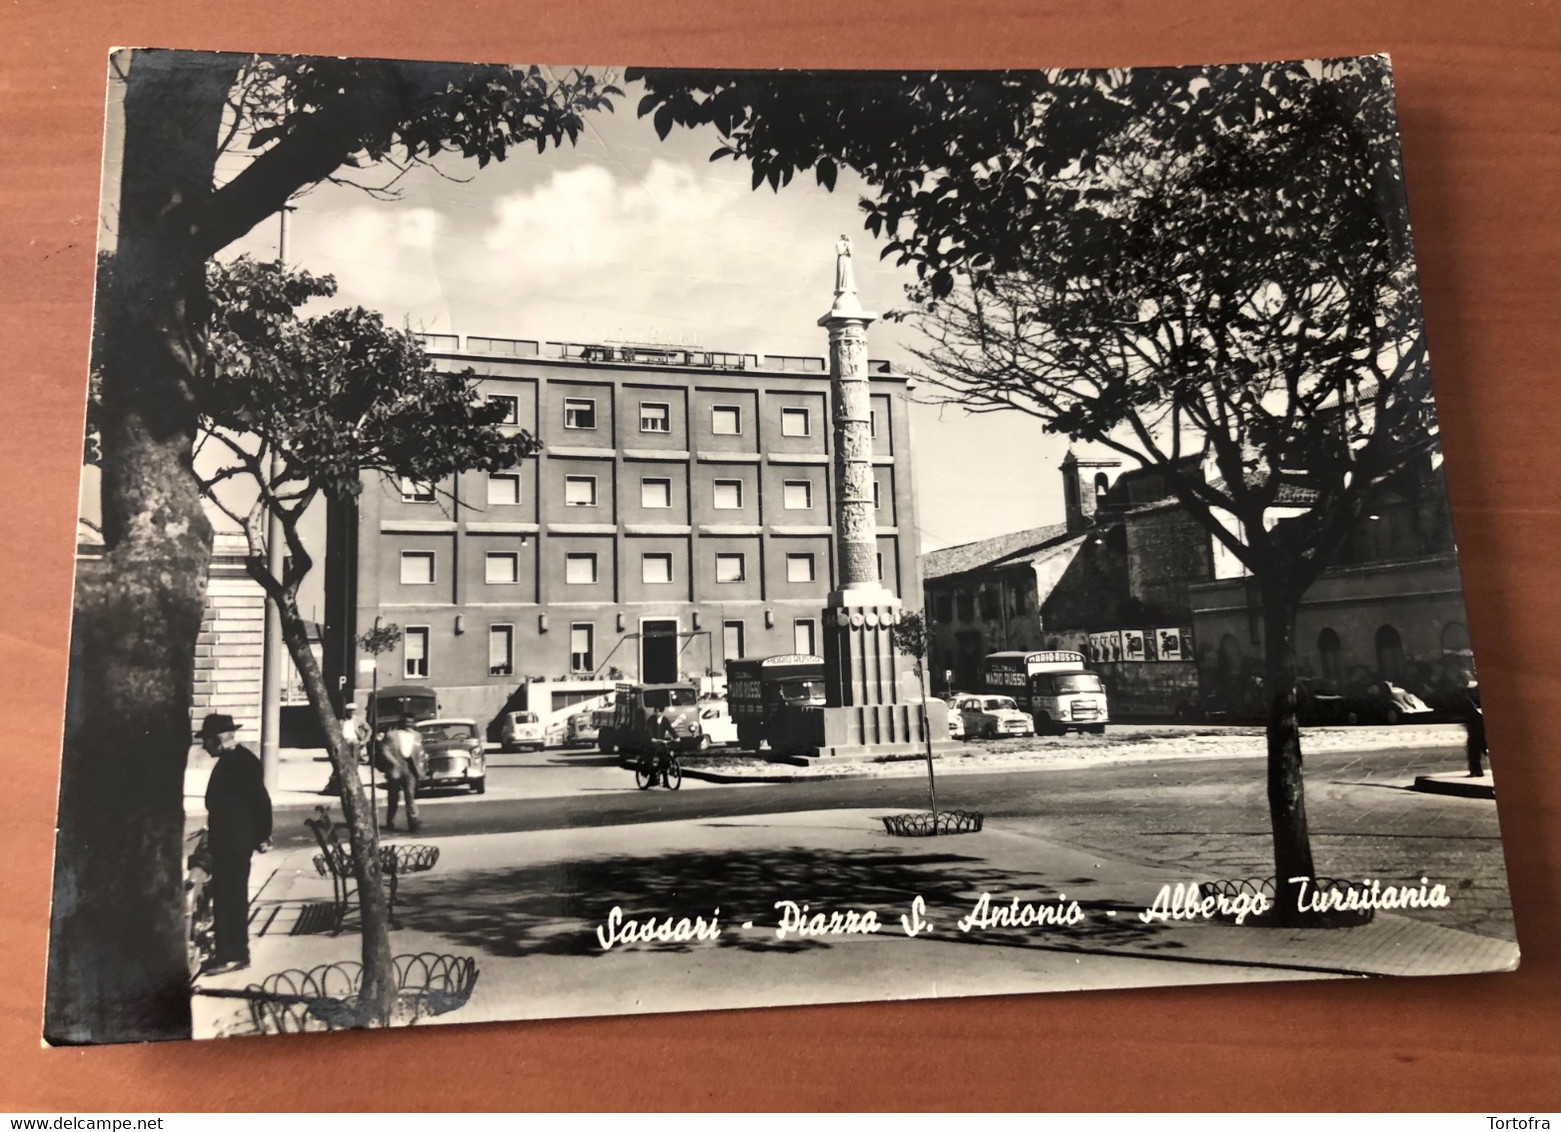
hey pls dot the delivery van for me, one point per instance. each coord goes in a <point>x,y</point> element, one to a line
<point>1056,689</point>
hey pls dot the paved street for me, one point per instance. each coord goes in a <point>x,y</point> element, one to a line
<point>1209,814</point>
<point>528,874</point>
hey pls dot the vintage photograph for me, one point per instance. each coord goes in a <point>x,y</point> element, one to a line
<point>581,540</point>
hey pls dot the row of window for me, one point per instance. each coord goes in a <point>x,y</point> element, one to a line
<point>655,492</point>
<point>582,646</point>
<point>656,416</point>
<point>502,568</point>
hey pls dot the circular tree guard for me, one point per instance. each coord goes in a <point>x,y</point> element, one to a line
<point>925,824</point>
<point>326,997</point>
<point>1324,889</point>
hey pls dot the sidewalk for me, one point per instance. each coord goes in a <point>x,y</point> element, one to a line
<point>528,907</point>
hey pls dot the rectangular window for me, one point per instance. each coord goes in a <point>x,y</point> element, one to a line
<point>799,568</point>
<point>579,412</point>
<point>655,416</point>
<point>726,420</point>
<point>501,650</point>
<point>582,647</point>
<point>794,422</point>
<point>580,569</point>
<point>728,495</point>
<point>872,423</point>
<point>511,407</point>
<point>580,491</point>
<point>967,605</point>
<point>503,489</point>
<point>732,639</point>
<point>730,568</point>
<point>417,567</point>
<point>880,567</point>
<point>655,569</point>
<point>803,636</point>
<point>502,569</point>
<point>415,491</point>
<point>798,495</point>
<point>414,645</point>
<point>943,603</point>
<point>655,493</point>
<point>877,496</point>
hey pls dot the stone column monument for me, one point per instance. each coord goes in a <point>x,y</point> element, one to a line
<point>866,712</point>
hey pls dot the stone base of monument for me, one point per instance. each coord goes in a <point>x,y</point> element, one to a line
<point>882,730</point>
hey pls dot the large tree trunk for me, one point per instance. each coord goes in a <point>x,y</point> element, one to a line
<point>117,962</point>
<point>1286,791</point>
<point>377,993</point>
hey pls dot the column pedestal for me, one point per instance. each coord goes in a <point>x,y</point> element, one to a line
<point>875,707</point>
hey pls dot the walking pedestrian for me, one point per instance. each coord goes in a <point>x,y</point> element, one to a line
<point>397,761</point>
<point>238,817</point>
<point>1474,731</point>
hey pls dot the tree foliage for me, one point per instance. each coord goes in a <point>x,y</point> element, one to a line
<point>333,396</point>
<point>213,145</point>
<point>1206,269</point>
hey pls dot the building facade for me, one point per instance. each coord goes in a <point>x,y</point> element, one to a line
<point>1163,611</point>
<point>677,517</point>
<point>1390,606</point>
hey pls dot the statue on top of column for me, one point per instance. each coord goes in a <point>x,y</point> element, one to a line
<point>845,280</point>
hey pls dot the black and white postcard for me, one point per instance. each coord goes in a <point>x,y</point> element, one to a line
<point>575,540</point>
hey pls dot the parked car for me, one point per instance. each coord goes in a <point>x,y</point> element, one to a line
<point>1219,705</point>
<point>522,730</point>
<point>453,754</point>
<point>403,701</point>
<point>992,717</point>
<point>715,719</point>
<point>1319,703</point>
<point>956,720</point>
<point>1383,701</point>
<point>581,729</point>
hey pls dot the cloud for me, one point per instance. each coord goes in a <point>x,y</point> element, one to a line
<point>383,257</point>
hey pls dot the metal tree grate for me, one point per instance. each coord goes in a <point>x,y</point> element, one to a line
<point>326,997</point>
<point>926,824</point>
<point>1264,886</point>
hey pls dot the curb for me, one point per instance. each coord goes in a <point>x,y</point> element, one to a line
<point>717,776</point>
<point>1457,786</point>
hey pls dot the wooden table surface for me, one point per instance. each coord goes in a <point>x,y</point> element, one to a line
<point>1477,88</point>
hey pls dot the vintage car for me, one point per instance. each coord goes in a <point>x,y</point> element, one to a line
<point>992,717</point>
<point>452,755</point>
<point>522,730</point>
<point>581,729</point>
<point>413,702</point>
<point>715,720</point>
<point>1382,701</point>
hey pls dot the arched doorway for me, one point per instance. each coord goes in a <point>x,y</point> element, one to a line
<point>1329,665</point>
<point>1457,655</point>
<point>1390,654</point>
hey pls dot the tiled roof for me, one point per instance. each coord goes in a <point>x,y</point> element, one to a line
<point>987,552</point>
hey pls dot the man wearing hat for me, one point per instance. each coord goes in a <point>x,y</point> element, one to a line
<point>238,821</point>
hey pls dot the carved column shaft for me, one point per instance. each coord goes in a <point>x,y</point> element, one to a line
<point>856,527</point>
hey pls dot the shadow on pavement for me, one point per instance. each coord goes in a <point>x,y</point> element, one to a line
<point>555,909</point>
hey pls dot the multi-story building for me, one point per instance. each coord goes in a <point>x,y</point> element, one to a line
<point>678,516</point>
<point>1162,609</point>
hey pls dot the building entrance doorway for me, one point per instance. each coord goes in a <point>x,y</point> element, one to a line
<point>658,652</point>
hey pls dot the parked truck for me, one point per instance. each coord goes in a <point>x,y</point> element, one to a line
<point>1054,687</point>
<point>767,696</point>
<point>636,709</point>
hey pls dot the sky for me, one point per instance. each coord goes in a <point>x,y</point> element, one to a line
<point>627,237</point>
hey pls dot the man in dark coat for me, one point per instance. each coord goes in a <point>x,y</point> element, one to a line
<point>238,820</point>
